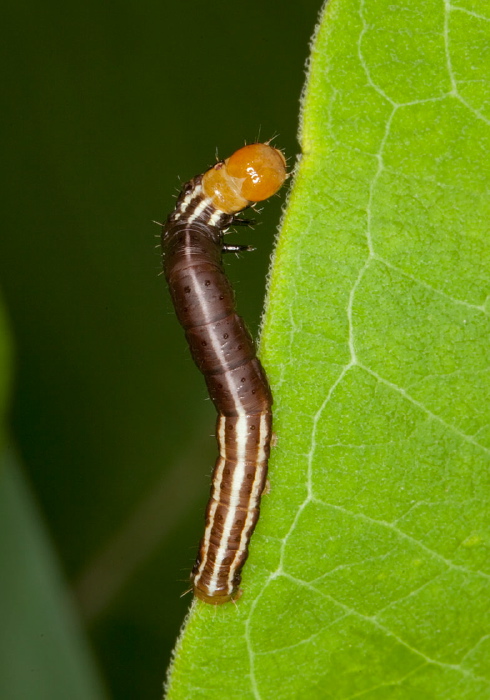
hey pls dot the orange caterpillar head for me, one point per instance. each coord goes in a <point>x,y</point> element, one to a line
<point>251,174</point>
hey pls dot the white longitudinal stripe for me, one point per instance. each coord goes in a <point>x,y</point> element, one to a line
<point>256,492</point>
<point>239,474</point>
<point>217,481</point>
<point>216,216</point>
<point>265,436</point>
<point>188,198</point>
<point>193,195</point>
<point>205,202</point>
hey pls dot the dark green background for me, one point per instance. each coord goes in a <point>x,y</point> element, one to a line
<point>105,106</point>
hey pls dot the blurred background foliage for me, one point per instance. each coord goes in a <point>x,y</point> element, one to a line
<point>105,106</point>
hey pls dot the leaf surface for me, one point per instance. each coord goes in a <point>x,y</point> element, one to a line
<point>369,573</point>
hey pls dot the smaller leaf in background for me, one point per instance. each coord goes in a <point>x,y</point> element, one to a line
<point>5,371</point>
<point>43,653</point>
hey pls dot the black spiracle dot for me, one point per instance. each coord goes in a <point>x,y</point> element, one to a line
<point>243,380</point>
<point>238,347</point>
<point>225,336</point>
<point>253,391</point>
<point>187,290</point>
<point>185,309</point>
<point>203,343</point>
<point>227,472</point>
<point>207,283</point>
<point>219,518</point>
<point>250,476</point>
<point>238,523</point>
<point>252,427</point>
<point>221,296</point>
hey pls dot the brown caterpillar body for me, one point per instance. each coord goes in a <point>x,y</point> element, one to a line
<point>222,348</point>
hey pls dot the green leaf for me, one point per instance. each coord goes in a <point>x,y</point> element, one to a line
<point>43,653</point>
<point>369,573</point>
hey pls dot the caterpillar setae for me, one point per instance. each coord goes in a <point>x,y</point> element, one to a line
<point>222,348</point>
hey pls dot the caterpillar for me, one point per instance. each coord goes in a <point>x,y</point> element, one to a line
<point>223,350</point>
